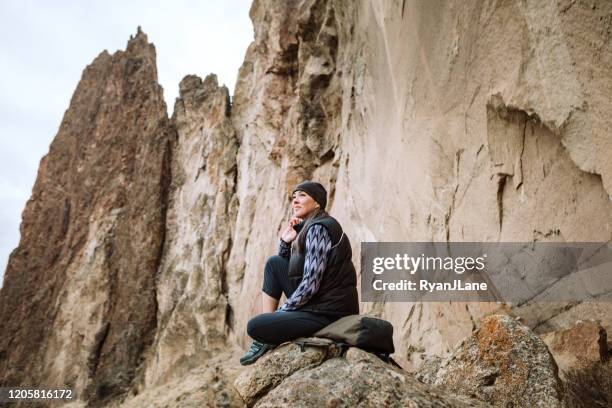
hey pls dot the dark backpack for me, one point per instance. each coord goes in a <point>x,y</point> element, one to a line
<point>365,332</point>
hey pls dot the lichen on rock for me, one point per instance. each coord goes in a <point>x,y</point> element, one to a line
<point>503,363</point>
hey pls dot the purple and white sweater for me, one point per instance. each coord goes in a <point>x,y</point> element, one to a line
<point>318,246</point>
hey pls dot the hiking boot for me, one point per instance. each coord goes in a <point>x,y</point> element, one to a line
<point>257,350</point>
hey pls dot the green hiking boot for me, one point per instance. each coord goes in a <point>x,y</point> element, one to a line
<point>257,350</point>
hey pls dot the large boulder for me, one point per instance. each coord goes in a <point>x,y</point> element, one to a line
<point>504,363</point>
<point>315,378</point>
<point>581,345</point>
<point>273,368</point>
<point>582,355</point>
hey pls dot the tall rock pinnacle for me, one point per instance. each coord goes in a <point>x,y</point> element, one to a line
<point>78,306</point>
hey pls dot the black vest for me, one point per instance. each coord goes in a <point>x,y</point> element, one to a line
<point>338,291</point>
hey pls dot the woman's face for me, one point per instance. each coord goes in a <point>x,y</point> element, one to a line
<point>303,204</point>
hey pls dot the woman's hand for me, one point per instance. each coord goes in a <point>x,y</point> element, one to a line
<point>289,234</point>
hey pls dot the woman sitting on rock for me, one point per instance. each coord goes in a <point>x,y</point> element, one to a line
<point>315,271</point>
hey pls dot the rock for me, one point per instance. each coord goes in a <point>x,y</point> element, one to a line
<point>503,363</point>
<point>78,306</point>
<point>192,289</point>
<point>429,369</point>
<point>582,354</point>
<point>209,385</point>
<point>579,346</point>
<point>143,244</point>
<point>352,92</point>
<point>288,377</point>
<point>274,367</point>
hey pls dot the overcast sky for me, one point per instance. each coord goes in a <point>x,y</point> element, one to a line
<point>47,44</point>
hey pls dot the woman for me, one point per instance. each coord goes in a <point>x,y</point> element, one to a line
<point>315,271</point>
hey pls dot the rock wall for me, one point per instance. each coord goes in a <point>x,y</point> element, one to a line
<point>192,306</point>
<point>144,242</point>
<point>486,128</point>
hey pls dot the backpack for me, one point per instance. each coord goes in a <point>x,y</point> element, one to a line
<point>365,332</point>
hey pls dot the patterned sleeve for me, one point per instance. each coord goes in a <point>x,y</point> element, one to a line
<point>284,249</point>
<point>318,245</point>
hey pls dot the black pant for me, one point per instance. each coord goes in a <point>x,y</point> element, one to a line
<point>280,326</point>
<point>276,277</point>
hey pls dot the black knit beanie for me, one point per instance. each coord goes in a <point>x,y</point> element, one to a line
<point>315,190</point>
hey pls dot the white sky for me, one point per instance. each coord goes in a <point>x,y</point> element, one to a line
<point>46,45</point>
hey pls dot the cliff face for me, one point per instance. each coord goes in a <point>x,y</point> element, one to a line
<point>144,241</point>
<point>79,303</point>
<point>467,132</point>
<point>193,311</point>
